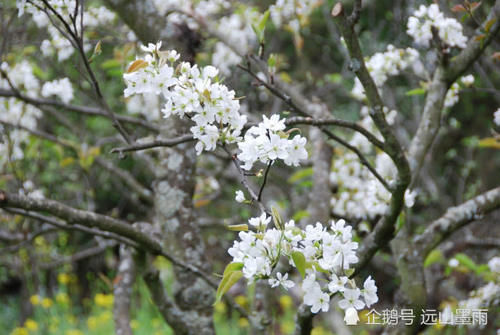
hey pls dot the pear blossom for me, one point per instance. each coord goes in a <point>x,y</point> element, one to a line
<point>332,249</point>
<point>420,25</point>
<point>266,142</point>
<point>261,221</point>
<point>351,299</point>
<point>370,291</point>
<point>240,197</point>
<point>281,280</point>
<point>496,118</point>
<point>337,284</point>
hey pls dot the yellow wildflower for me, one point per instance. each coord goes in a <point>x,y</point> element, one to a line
<point>243,322</point>
<point>92,323</point>
<point>35,300</point>
<point>19,331</point>
<point>63,278</point>
<point>134,324</point>
<point>73,332</point>
<point>62,298</point>
<point>241,300</point>
<point>47,302</point>
<point>286,301</point>
<point>104,300</point>
<point>220,307</point>
<point>31,325</point>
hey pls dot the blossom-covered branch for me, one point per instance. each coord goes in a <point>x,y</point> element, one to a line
<point>384,230</point>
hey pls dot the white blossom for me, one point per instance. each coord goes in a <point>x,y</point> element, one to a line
<point>281,280</point>
<point>240,197</point>
<point>496,117</point>
<point>420,25</point>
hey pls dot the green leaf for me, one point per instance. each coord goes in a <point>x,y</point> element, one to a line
<point>231,267</point>
<point>110,64</point>
<point>238,227</point>
<point>229,279</point>
<point>263,20</point>
<point>435,256</point>
<point>300,174</point>
<point>278,222</point>
<point>489,142</point>
<point>300,262</point>
<point>416,91</point>
<point>466,261</point>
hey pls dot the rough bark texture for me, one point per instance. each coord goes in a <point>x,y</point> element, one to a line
<point>173,191</point>
<point>122,292</point>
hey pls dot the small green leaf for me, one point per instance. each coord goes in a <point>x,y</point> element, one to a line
<point>416,91</point>
<point>235,266</point>
<point>226,283</point>
<point>435,256</point>
<point>238,227</point>
<point>300,262</point>
<point>466,261</point>
<point>278,222</point>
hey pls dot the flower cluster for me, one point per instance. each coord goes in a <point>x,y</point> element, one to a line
<point>382,65</point>
<point>238,32</point>
<point>361,195</point>
<point>61,88</point>
<point>188,90</point>
<point>496,117</point>
<point>292,12</point>
<point>451,97</point>
<point>58,44</point>
<point>425,18</point>
<point>177,10</point>
<point>16,112</point>
<point>267,142</point>
<point>323,255</point>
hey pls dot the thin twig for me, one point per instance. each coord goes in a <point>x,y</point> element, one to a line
<point>259,197</point>
<point>154,144</point>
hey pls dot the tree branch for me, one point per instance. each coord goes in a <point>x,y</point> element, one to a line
<point>336,122</point>
<point>61,225</point>
<point>91,111</point>
<point>385,229</point>
<point>154,144</point>
<point>443,77</point>
<point>455,218</point>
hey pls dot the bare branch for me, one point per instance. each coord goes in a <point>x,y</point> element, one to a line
<point>455,218</point>
<point>90,252</point>
<point>91,111</point>
<point>61,225</point>
<point>336,122</point>
<point>244,181</point>
<point>154,144</point>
